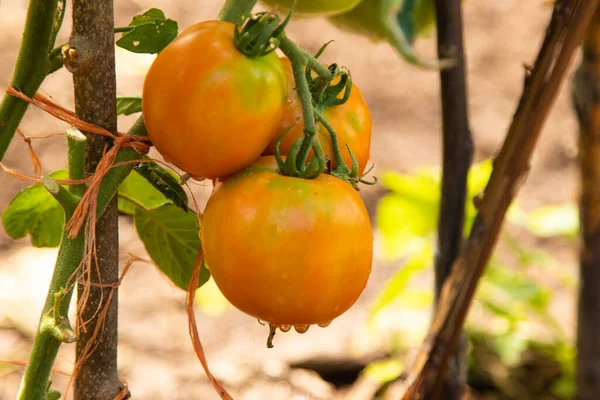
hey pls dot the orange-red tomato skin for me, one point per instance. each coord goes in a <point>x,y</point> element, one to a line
<point>208,108</point>
<point>287,250</point>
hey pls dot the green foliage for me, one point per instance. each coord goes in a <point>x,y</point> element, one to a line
<point>151,186</point>
<point>169,232</point>
<point>35,212</point>
<point>166,182</point>
<point>400,280</point>
<point>384,371</point>
<point>171,237</point>
<point>150,32</point>
<point>136,189</point>
<point>127,105</point>
<point>554,220</point>
<point>513,304</point>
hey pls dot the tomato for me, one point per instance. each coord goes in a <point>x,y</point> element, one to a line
<point>288,251</point>
<point>313,8</point>
<point>351,121</point>
<point>208,108</point>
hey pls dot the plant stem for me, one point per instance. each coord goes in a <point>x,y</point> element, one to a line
<point>116,175</point>
<point>457,158</point>
<point>233,10</point>
<point>586,100</point>
<point>566,30</point>
<point>70,256</point>
<point>300,60</point>
<point>95,101</point>
<point>76,155</point>
<point>31,68</point>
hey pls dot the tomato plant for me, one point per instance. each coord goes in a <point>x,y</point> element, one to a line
<point>416,18</point>
<point>314,8</point>
<point>379,21</point>
<point>285,250</point>
<point>351,121</point>
<point>208,108</point>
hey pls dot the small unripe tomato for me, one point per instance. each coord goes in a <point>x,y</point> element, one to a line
<point>313,8</point>
<point>288,251</point>
<point>208,108</point>
<point>351,121</point>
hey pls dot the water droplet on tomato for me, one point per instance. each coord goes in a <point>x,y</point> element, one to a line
<point>263,323</point>
<point>285,328</point>
<point>301,328</point>
<point>324,324</point>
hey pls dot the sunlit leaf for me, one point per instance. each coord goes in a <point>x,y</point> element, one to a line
<point>171,237</point>
<point>400,280</point>
<point>384,371</point>
<point>557,220</point>
<point>137,189</point>
<point>35,212</point>
<point>510,346</point>
<point>211,300</point>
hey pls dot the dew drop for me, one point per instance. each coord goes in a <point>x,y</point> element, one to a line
<point>136,43</point>
<point>301,328</point>
<point>324,324</point>
<point>285,328</point>
<point>263,323</point>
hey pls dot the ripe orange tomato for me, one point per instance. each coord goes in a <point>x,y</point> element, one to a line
<point>288,251</point>
<point>351,121</point>
<point>208,108</point>
<point>314,8</point>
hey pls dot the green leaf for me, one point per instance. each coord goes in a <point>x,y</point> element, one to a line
<point>165,182</point>
<point>138,189</point>
<point>556,220</point>
<point>127,105</point>
<point>53,395</point>
<point>510,346</point>
<point>171,237</point>
<point>384,371</point>
<point>35,212</point>
<point>151,33</point>
<point>519,289</point>
<point>400,280</point>
<point>149,17</point>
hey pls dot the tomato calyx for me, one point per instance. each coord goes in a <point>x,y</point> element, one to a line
<point>291,167</point>
<point>256,35</point>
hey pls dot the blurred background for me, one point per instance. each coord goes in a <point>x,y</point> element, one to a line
<point>521,326</point>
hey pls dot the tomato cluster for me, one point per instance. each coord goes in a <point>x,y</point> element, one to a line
<point>287,250</point>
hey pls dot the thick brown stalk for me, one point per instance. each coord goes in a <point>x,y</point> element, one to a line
<point>457,156</point>
<point>586,100</point>
<point>93,67</point>
<point>567,27</point>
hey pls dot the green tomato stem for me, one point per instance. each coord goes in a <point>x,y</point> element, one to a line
<point>31,68</point>
<point>300,60</point>
<point>233,10</point>
<point>337,153</point>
